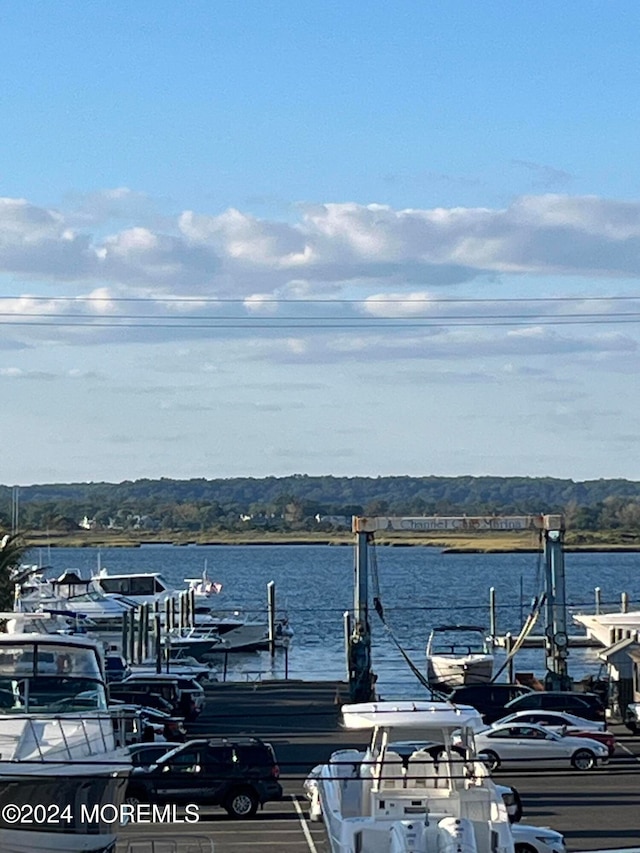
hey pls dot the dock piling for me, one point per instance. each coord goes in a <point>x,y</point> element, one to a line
<point>271,610</point>
<point>346,621</point>
<point>624,602</point>
<point>157,636</point>
<point>598,594</point>
<point>509,648</point>
<point>493,628</point>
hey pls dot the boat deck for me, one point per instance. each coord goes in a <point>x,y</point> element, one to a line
<point>595,810</point>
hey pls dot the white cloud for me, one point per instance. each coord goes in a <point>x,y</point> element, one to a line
<point>398,260</point>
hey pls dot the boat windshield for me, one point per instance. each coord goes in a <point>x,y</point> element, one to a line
<point>49,678</point>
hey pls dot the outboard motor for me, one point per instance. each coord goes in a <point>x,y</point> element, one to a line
<point>456,835</point>
<point>408,836</point>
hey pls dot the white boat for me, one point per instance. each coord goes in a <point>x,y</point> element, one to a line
<point>609,628</point>
<point>458,654</point>
<point>436,799</point>
<point>59,763</point>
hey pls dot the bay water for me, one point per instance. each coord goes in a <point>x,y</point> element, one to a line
<point>420,587</point>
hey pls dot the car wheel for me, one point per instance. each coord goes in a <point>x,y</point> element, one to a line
<point>524,848</point>
<point>632,726</point>
<point>242,803</point>
<point>133,798</point>
<point>583,759</point>
<point>490,759</point>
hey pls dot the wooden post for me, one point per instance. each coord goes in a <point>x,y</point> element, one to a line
<point>509,649</point>
<point>493,627</point>
<point>157,628</point>
<point>346,621</point>
<point>125,635</point>
<point>271,610</point>
<point>139,635</point>
<point>132,635</point>
<point>624,602</point>
<point>192,607</point>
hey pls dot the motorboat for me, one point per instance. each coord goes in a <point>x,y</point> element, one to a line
<point>59,761</point>
<point>432,798</point>
<point>458,655</point>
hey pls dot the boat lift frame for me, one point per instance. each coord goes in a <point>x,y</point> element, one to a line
<point>551,529</point>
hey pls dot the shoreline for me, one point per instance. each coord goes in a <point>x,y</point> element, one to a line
<point>495,544</point>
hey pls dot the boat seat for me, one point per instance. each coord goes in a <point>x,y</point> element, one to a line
<point>424,772</point>
<point>391,776</point>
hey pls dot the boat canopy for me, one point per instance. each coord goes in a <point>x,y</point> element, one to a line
<point>407,715</point>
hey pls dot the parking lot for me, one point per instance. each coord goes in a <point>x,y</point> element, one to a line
<point>595,810</point>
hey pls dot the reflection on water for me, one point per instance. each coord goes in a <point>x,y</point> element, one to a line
<point>420,587</point>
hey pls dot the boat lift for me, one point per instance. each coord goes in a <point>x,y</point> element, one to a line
<point>551,530</point>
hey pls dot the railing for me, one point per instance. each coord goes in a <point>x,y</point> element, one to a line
<point>53,738</point>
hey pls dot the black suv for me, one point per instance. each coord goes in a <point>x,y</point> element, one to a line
<point>237,775</point>
<point>586,705</point>
<point>490,700</point>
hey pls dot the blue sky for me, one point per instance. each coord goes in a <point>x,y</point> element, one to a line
<point>254,238</point>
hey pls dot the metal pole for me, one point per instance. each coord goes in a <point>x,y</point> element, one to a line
<point>360,676</point>
<point>624,602</point>
<point>493,629</point>
<point>271,611</point>
<point>286,660</point>
<point>598,593</point>
<point>224,669</point>
<point>557,677</point>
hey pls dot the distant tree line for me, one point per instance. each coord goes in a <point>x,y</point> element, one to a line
<point>296,502</point>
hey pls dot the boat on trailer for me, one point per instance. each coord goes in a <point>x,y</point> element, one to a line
<point>457,655</point>
<point>436,799</point>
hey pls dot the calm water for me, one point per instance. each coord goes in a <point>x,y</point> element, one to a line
<point>420,588</point>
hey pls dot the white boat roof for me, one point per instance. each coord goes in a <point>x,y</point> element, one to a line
<point>49,639</point>
<point>104,573</point>
<point>406,714</point>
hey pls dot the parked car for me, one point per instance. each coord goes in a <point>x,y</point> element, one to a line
<point>136,695</point>
<point>564,723</point>
<point>632,717</point>
<point>586,705</point>
<point>237,775</point>
<point>146,754</point>
<point>533,744</point>
<point>489,700</point>
<point>537,839</point>
<point>185,694</point>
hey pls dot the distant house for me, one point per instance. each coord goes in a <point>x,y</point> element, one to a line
<point>87,523</point>
<point>343,521</point>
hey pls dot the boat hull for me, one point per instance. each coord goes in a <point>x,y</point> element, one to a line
<point>454,671</point>
<point>82,828</point>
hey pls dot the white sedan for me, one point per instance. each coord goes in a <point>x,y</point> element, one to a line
<point>553,719</point>
<point>529,744</point>
<point>537,839</point>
